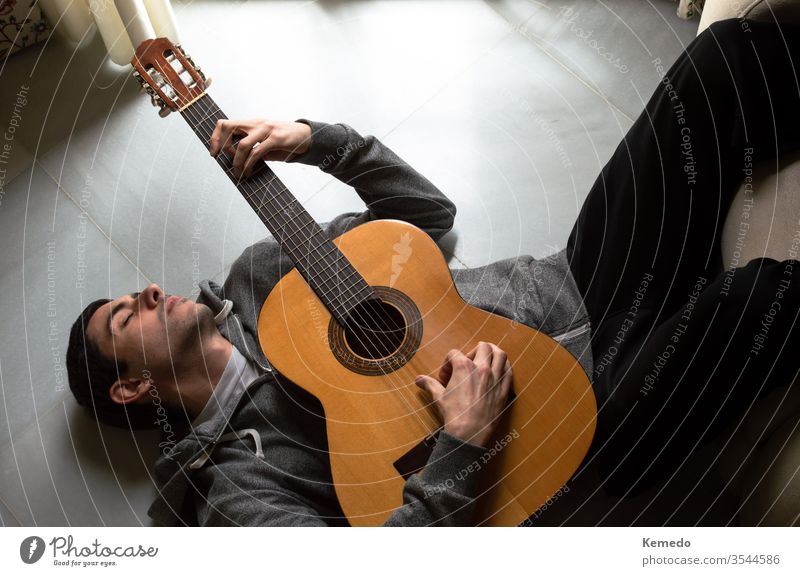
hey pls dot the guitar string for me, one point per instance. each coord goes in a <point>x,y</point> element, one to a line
<point>304,259</point>
<point>244,184</point>
<point>355,292</point>
<point>305,262</point>
<point>198,124</point>
<point>318,231</point>
<point>433,421</point>
<point>251,195</point>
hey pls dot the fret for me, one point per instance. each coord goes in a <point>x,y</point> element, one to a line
<point>326,270</point>
<point>207,115</point>
<point>260,188</point>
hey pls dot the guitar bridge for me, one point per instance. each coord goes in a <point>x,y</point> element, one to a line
<point>415,459</point>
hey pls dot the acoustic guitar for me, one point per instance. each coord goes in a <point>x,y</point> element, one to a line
<point>362,314</point>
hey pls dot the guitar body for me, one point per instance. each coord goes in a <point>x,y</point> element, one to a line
<point>376,415</point>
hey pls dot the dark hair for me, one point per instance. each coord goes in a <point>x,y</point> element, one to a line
<point>91,374</point>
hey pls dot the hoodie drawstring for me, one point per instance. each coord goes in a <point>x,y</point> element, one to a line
<point>227,306</point>
<point>234,435</point>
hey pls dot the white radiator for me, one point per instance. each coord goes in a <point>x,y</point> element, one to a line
<point>123,24</point>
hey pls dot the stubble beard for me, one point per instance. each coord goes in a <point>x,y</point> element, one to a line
<point>194,331</point>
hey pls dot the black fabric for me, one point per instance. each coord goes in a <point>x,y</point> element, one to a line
<point>683,342</point>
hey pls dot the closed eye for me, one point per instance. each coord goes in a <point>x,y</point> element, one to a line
<point>127,319</point>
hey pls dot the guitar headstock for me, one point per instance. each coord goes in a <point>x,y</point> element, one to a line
<point>168,75</point>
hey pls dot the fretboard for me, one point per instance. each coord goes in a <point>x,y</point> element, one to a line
<point>326,270</point>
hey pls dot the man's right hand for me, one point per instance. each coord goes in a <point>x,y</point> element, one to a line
<point>261,140</point>
<point>471,392</point>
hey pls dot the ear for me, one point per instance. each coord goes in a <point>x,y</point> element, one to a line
<point>129,390</point>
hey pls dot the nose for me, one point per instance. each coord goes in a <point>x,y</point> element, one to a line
<point>150,296</point>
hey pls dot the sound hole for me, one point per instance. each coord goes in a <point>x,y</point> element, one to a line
<point>380,337</point>
<point>375,330</point>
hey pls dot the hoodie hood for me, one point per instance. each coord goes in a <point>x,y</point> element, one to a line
<point>230,325</point>
<point>172,471</point>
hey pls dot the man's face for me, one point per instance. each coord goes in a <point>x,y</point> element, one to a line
<point>150,330</point>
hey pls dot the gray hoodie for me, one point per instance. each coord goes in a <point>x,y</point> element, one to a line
<point>262,460</point>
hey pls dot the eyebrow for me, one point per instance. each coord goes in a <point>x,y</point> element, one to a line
<point>116,309</point>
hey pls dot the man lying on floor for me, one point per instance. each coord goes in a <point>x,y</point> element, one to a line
<point>648,233</point>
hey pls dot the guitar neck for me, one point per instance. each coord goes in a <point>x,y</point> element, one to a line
<point>326,270</point>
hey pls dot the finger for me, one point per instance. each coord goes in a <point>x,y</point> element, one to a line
<point>446,371</point>
<point>257,154</point>
<point>483,354</point>
<point>471,353</point>
<point>506,384</point>
<point>243,150</point>
<point>452,356</point>
<point>431,386</point>
<point>241,129</point>
<point>227,142</point>
<point>434,388</point>
<point>455,361</point>
<point>220,134</point>
<point>499,361</point>
<point>507,370</point>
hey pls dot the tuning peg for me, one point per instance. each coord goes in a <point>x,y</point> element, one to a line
<point>143,85</point>
<point>185,55</point>
<point>140,80</point>
<point>206,81</point>
<point>163,109</point>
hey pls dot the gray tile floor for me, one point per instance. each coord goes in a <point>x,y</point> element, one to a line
<point>510,106</point>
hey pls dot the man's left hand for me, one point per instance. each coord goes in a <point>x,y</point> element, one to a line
<point>261,140</point>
